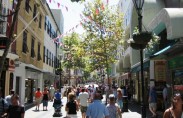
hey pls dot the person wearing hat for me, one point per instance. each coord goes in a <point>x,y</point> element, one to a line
<point>113,108</point>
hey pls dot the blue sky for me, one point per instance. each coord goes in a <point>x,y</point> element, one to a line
<point>72,16</point>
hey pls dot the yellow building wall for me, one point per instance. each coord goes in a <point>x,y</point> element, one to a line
<point>32,30</point>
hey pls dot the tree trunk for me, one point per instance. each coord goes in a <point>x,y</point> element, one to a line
<point>10,38</point>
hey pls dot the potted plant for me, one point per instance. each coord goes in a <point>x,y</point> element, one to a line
<point>150,48</point>
<point>141,37</point>
<point>137,46</point>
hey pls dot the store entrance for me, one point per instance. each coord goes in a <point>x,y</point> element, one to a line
<point>29,90</point>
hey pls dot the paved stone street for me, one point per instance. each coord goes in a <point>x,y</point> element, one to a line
<point>133,112</point>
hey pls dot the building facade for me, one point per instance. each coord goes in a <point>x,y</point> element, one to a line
<point>7,77</point>
<point>160,65</point>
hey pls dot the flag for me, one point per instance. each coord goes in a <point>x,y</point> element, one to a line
<point>66,8</point>
<point>90,17</point>
<point>76,25</point>
<point>97,11</point>
<point>58,5</point>
<point>102,6</point>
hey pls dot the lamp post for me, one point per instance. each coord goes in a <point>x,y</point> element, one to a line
<point>60,72</point>
<point>138,4</point>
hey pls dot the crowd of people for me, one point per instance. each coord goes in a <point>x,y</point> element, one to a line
<point>89,101</point>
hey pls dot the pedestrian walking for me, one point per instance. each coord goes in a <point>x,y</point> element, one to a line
<point>176,110</point>
<point>52,92</point>
<point>45,99</point>
<point>114,110</point>
<point>72,105</point>
<point>96,109</point>
<point>83,99</point>
<point>15,110</point>
<point>38,98</point>
<point>120,98</point>
<point>69,90</point>
<point>8,98</point>
<point>165,97</point>
<point>153,101</point>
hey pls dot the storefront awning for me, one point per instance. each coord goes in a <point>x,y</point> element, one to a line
<point>32,68</point>
<point>171,49</point>
<point>171,19</point>
<point>137,67</point>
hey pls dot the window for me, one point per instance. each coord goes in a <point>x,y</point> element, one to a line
<point>55,62</point>
<point>48,28</point>
<point>35,11</point>
<point>44,54</point>
<point>38,52</point>
<point>27,6</point>
<point>45,23</point>
<point>32,48</point>
<point>50,59</point>
<point>24,44</point>
<point>47,56</point>
<point>40,20</point>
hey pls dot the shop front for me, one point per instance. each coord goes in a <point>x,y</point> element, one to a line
<point>137,83</point>
<point>176,67</point>
<point>27,79</point>
<point>160,69</point>
<point>7,76</point>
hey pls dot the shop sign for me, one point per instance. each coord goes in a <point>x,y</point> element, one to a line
<point>160,70</point>
<point>175,62</point>
<point>178,87</point>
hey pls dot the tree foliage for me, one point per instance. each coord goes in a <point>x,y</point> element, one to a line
<point>104,33</point>
<point>75,55</point>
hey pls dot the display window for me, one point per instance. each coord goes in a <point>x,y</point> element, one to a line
<point>178,80</point>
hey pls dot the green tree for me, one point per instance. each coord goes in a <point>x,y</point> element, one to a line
<point>104,33</point>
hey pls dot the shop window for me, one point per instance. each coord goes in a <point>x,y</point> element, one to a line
<point>30,88</point>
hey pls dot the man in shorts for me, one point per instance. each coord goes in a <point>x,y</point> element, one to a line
<point>153,101</point>
<point>82,100</point>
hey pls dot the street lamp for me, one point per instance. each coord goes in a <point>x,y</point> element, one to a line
<point>138,4</point>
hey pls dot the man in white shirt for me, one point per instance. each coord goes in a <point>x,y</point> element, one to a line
<point>8,98</point>
<point>82,100</point>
